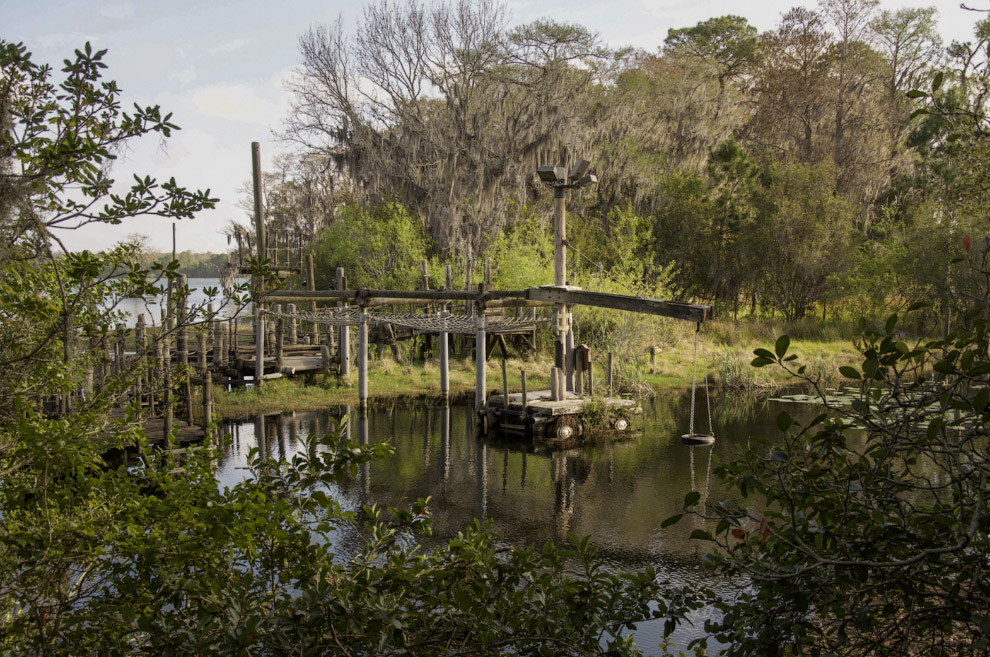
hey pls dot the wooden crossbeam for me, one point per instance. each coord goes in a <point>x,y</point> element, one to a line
<point>687,311</point>
<point>692,312</point>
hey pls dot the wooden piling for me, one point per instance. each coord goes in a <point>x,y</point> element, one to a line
<point>314,329</point>
<point>279,337</point>
<point>325,360</point>
<point>608,377</point>
<point>569,357</point>
<point>525,398</point>
<point>291,325</point>
<point>203,366</point>
<point>505,383</point>
<point>554,396</point>
<point>480,369</point>
<point>444,361</point>
<point>344,366</point>
<point>363,360</point>
<point>468,306</point>
<point>207,407</point>
<point>579,371</point>
<point>167,406</point>
<point>653,359</point>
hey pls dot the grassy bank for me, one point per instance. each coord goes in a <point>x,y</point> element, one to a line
<point>726,348</point>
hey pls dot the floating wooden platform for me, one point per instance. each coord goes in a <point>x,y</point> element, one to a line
<point>541,416</point>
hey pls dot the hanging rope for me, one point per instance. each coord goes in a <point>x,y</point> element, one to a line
<point>692,438</point>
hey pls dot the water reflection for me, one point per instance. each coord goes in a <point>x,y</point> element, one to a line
<point>617,492</point>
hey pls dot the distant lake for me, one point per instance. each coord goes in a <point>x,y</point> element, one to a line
<point>152,308</point>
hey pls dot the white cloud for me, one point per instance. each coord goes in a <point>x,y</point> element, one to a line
<point>229,46</point>
<point>118,11</point>
<point>184,76</point>
<point>236,102</point>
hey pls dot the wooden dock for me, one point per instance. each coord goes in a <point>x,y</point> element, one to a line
<point>541,416</point>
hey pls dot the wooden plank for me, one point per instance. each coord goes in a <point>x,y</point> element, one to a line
<point>687,311</point>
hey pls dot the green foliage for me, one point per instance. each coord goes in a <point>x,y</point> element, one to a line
<point>378,248</point>
<point>100,558</point>
<point>863,532</point>
<point>522,255</point>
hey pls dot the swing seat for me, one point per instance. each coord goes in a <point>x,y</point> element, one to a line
<point>698,439</point>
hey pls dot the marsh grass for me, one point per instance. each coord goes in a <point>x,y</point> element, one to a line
<point>725,352</point>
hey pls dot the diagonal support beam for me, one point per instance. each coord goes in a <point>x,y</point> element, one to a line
<point>692,312</point>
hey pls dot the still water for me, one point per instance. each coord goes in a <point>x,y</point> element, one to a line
<point>617,492</point>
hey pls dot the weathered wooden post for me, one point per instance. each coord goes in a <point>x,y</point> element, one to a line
<point>363,360</point>
<point>314,329</point>
<point>208,407</point>
<point>140,351</point>
<point>554,396</point>
<point>468,306</point>
<point>480,369</point>
<point>325,360</point>
<point>167,419</point>
<point>344,366</point>
<point>505,383</point>
<point>609,376</point>
<point>292,324</point>
<point>525,397</point>
<point>259,283</point>
<point>444,359</point>
<point>579,359</point>
<point>569,356</point>
<point>203,366</point>
<point>653,359</point>
<point>279,337</point>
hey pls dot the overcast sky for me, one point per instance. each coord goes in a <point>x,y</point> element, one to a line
<point>219,66</point>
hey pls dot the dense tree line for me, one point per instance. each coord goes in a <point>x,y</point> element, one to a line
<point>781,173</point>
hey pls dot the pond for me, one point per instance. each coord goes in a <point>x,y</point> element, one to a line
<point>618,492</point>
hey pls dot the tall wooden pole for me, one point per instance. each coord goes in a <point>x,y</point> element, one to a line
<point>262,241</point>
<point>344,366</point>
<point>561,315</point>
<point>480,373</point>
<point>314,332</point>
<point>363,361</point>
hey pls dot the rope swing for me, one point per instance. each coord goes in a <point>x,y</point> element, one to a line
<point>692,438</point>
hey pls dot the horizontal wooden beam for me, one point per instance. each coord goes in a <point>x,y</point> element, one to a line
<point>692,312</point>
<point>534,296</point>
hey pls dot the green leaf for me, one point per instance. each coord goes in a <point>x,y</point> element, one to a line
<point>784,421</point>
<point>891,323</point>
<point>783,342</point>
<point>691,499</point>
<point>780,456</point>
<point>672,520</point>
<point>763,353</point>
<point>981,400</point>
<point>849,372</point>
<point>700,535</point>
<point>916,93</point>
<point>942,367</point>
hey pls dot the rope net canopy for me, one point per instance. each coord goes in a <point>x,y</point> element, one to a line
<point>435,323</point>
